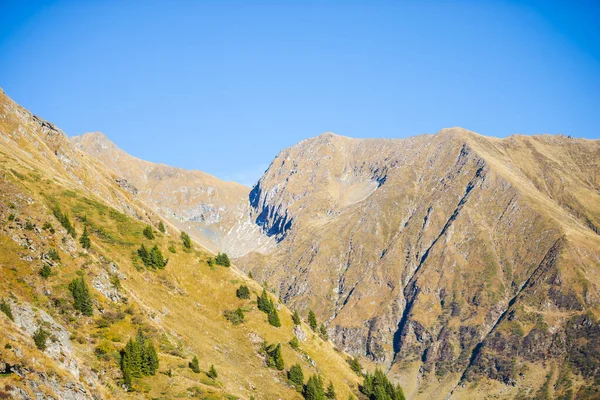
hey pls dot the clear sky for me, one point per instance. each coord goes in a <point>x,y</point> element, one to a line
<point>222,86</point>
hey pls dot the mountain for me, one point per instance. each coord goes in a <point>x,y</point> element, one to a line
<point>214,212</point>
<point>469,266</point>
<point>99,301</point>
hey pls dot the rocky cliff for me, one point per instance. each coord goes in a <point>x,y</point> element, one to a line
<point>450,258</point>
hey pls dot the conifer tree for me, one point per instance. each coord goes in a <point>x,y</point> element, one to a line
<point>161,227</point>
<point>330,392</point>
<point>273,318</point>
<point>264,302</point>
<point>323,332</point>
<point>294,343</point>
<point>185,238</point>
<point>84,240</point>
<point>314,388</point>
<point>296,318</point>
<point>148,232</point>
<point>194,365</point>
<point>39,337</point>
<point>212,372</point>
<point>296,376</point>
<point>278,358</point>
<point>312,320</point>
<point>81,296</point>
<point>151,359</point>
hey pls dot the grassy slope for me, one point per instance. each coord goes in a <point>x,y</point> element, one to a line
<point>180,308</point>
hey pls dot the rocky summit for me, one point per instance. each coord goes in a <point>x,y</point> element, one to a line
<point>456,265</point>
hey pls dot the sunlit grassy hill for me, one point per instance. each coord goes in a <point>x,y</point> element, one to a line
<point>180,309</point>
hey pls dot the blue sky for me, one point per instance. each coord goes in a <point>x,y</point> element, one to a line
<point>224,86</point>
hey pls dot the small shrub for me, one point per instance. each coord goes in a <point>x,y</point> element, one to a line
<point>222,259</point>
<point>29,226</point>
<point>235,317</point>
<point>52,254</point>
<point>46,271</point>
<point>39,337</point>
<point>11,217</point>
<point>172,249</point>
<point>355,366</point>
<point>296,318</point>
<point>273,355</point>
<point>295,343</point>
<point>273,318</point>
<point>323,332</point>
<point>81,296</point>
<point>48,227</point>
<point>64,220</point>
<point>5,308</point>
<point>312,320</point>
<point>243,292</point>
<point>161,227</point>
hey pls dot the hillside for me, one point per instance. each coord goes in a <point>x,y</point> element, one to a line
<point>469,266</point>
<point>214,212</point>
<point>53,196</point>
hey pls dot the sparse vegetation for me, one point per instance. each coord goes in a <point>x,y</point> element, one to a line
<point>323,332</point>
<point>48,227</point>
<point>161,227</point>
<point>355,366</point>
<point>64,220</point>
<point>52,254</point>
<point>295,343</point>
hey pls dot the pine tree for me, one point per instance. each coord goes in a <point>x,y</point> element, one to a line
<point>314,388</point>
<point>312,320</point>
<point>273,318</point>
<point>296,318</point>
<point>377,386</point>
<point>151,359</point>
<point>264,303</point>
<point>84,240</point>
<point>355,365</point>
<point>330,393</point>
<point>148,232</point>
<point>212,372</point>
<point>185,238</point>
<point>194,365</point>
<point>5,308</point>
<point>278,358</point>
<point>323,332</point>
<point>250,275</point>
<point>161,227</point>
<point>45,271</point>
<point>81,296</point>
<point>243,292</point>
<point>296,376</point>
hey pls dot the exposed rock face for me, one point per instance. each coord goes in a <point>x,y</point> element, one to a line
<point>426,253</point>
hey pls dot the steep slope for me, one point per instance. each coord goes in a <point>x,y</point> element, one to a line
<point>450,258</point>
<point>179,308</point>
<point>213,211</point>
